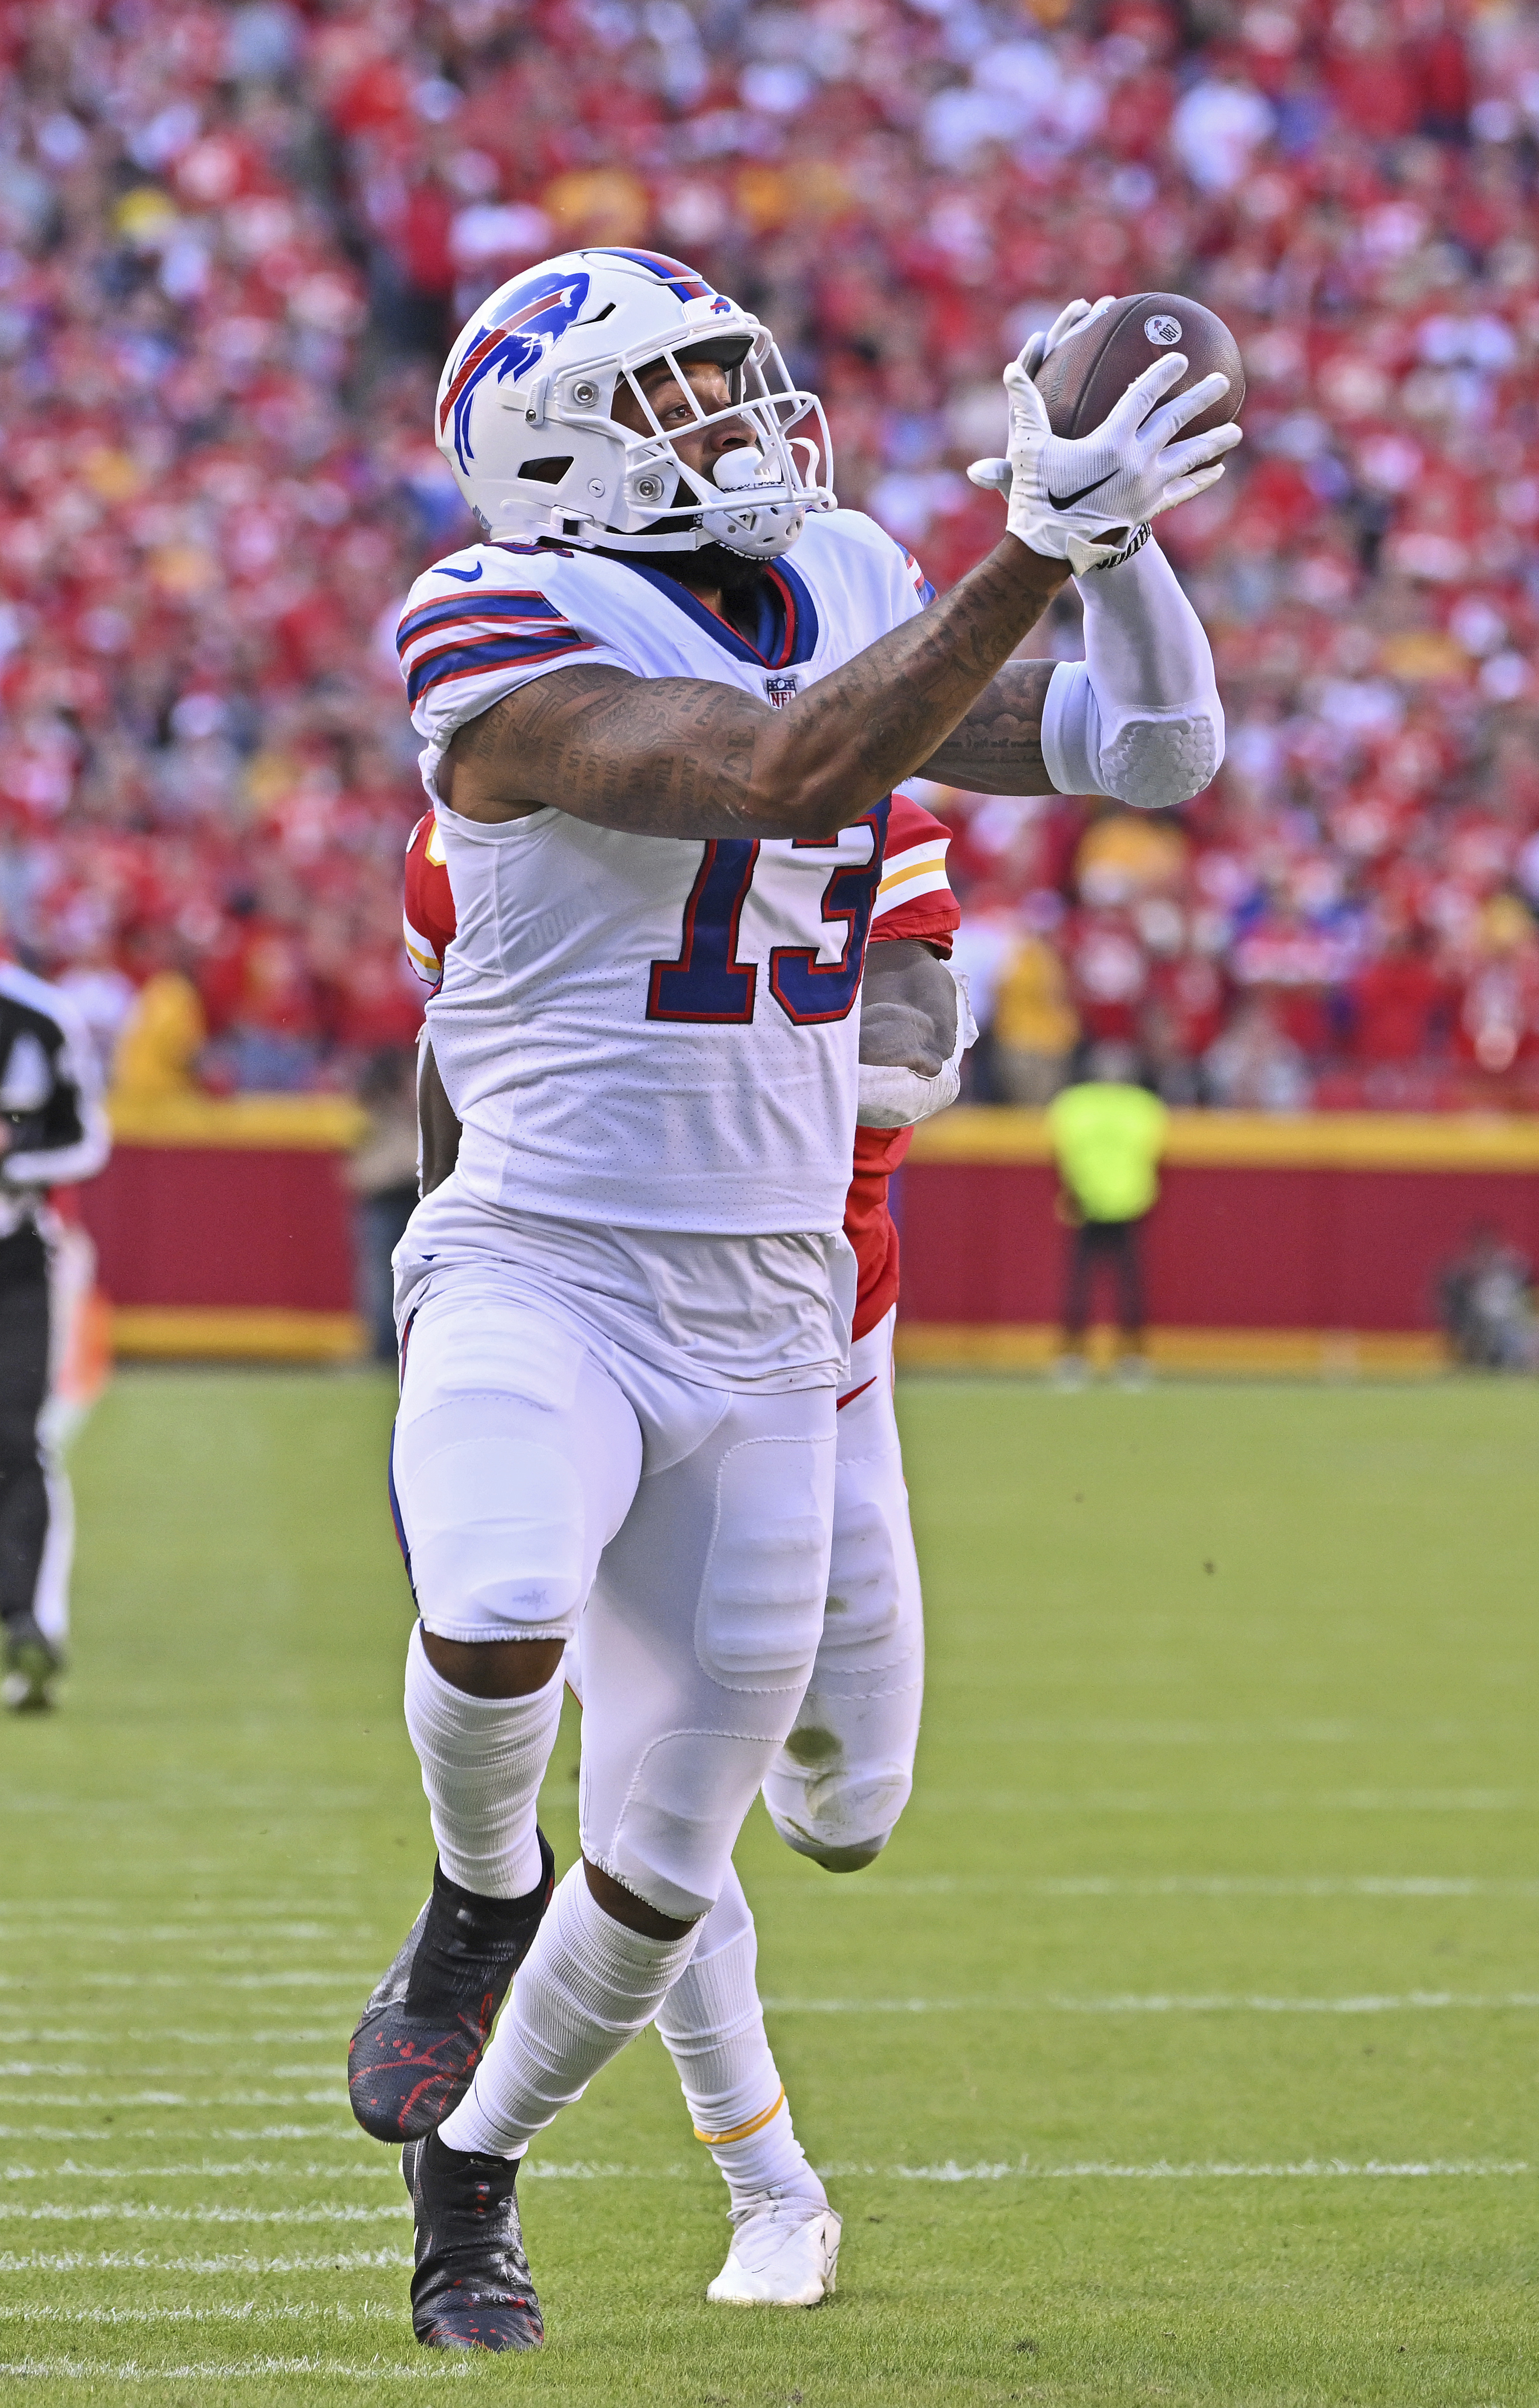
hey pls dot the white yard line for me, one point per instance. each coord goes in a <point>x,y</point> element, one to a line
<point>146,2212</point>
<point>338,2131</point>
<point>258,2167</point>
<point>82,2370</point>
<point>22,2072</point>
<point>1309,2169</point>
<point>1160,2004</point>
<point>62,2262</point>
<point>1230,1802</point>
<point>297,1977</point>
<point>237,2311</point>
<point>1428,1885</point>
<point>110,2034</point>
<point>116,2098</point>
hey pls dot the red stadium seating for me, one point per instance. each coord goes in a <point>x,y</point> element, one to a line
<point>235,240</point>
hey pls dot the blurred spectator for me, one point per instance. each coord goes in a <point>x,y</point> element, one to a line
<point>1108,1133</point>
<point>1035,1025</point>
<point>157,1053</point>
<point>234,242</point>
<point>382,1175</point>
<point>1398,1001</point>
<point>1253,1067</point>
<point>1488,1305</point>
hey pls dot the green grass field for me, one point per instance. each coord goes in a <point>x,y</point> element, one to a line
<point>1180,2049</point>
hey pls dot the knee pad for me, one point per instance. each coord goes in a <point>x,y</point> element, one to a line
<point>492,1514</point>
<point>672,1840</point>
<point>841,1819</point>
<point>836,1789</point>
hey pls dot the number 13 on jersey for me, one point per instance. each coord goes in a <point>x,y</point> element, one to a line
<point>706,981</point>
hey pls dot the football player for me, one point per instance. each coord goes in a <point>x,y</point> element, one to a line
<point>660,756</point>
<point>844,1774</point>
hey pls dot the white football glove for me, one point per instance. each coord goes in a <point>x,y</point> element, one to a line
<point>891,1096</point>
<point>1066,497</point>
<point>1067,322</point>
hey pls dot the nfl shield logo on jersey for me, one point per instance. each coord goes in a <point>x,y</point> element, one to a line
<point>782,687</point>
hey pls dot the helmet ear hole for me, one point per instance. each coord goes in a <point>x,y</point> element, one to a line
<point>548,471</point>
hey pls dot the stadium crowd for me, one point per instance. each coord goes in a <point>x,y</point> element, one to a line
<point>235,241</point>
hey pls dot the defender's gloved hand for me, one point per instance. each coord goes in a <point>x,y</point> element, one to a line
<point>890,1096</point>
<point>1079,498</point>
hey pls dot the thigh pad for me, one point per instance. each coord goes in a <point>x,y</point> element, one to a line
<point>515,1461</point>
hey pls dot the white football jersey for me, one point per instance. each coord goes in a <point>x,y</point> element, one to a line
<point>642,1030</point>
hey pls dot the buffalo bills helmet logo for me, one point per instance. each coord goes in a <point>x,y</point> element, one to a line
<point>533,317</point>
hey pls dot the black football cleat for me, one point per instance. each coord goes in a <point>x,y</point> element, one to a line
<point>471,2288</point>
<point>32,1665</point>
<point>424,2032</point>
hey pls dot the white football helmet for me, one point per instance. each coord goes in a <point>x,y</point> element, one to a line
<point>525,402</point>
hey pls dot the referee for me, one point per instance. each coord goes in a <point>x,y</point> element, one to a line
<point>53,1131</point>
<point>1108,1133</point>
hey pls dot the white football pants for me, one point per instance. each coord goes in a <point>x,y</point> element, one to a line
<point>837,1787</point>
<point>535,1467</point>
<point>843,1777</point>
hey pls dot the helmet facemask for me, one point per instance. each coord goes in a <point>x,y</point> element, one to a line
<point>772,481</point>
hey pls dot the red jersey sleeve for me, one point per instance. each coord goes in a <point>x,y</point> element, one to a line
<point>914,897</point>
<point>427,921</point>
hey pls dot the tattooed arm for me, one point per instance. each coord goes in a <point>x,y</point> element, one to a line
<point>996,747</point>
<point>686,757</point>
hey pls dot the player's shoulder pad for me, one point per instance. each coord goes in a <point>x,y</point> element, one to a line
<point>488,610</point>
<point>914,896</point>
<point>480,570</point>
<point>909,823</point>
<point>855,527</point>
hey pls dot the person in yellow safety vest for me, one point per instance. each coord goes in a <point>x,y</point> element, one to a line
<point>1108,1134</point>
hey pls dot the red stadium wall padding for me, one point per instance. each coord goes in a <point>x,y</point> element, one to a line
<point>1227,1247</point>
<point>1233,1244</point>
<point>213,1226</point>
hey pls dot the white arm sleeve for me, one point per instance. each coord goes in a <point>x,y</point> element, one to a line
<point>1139,716</point>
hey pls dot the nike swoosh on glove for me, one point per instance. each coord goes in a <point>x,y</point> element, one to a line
<point>1066,497</point>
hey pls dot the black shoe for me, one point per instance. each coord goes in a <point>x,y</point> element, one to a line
<point>421,2037</point>
<point>471,2288</point>
<point>33,1664</point>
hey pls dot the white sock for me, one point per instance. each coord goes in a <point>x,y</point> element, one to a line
<point>483,1761</point>
<point>714,2028</point>
<point>586,1986</point>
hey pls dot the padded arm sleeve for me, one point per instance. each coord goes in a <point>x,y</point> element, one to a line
<point>1139,716</point>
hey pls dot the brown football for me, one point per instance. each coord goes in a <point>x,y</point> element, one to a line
<point>1086,377</point>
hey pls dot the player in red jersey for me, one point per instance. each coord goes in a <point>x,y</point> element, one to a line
<point>837,1786</point>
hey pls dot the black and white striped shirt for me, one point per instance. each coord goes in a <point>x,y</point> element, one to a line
<point>50,1100</point>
